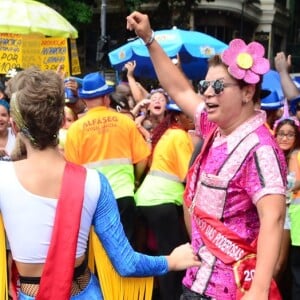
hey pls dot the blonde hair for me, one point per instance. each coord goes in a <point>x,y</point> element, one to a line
<point>19,151</point>
<point>71,111</point>
<point>37,105</point>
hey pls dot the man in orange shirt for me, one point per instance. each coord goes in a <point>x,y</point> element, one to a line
<point>110,142</point>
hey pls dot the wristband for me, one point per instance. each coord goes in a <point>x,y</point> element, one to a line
<point>150,41</point>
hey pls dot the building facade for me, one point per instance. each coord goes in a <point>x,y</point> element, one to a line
<point>266,21</point>
<point>274,23</point>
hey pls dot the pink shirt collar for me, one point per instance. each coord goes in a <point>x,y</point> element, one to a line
<point>240,132</point>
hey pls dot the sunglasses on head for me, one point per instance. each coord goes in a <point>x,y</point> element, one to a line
<point>159,90</point>
<point>217,85</point>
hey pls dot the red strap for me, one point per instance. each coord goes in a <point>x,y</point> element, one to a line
<point>220,240</point>
<point>195,168</point>
<point>57,276</point>
<point>14,282</point>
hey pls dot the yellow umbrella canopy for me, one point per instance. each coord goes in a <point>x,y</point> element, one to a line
<point>28,17</point>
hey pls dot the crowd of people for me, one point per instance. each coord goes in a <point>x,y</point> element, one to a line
<point>198,187</point>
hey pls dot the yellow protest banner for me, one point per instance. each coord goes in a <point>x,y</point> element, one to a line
<point>10,52</point>
<point>54,51</point>
<point>75,66</point>
<point>31,51</point>
<point>23,51</point>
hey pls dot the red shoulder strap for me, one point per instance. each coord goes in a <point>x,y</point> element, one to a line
<point>58,270</point>
<point>193,172</point>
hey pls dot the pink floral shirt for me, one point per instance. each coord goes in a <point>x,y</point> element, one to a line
<point>262,172</point>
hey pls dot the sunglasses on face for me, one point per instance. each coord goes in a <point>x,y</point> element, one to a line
<point>217,85</point>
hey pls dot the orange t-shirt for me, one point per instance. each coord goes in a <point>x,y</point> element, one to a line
<point>109,142</point>
<point>104,134</point>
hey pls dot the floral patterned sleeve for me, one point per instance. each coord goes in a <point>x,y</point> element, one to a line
<point>263,177</point>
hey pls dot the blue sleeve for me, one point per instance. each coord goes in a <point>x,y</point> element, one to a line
<point>110,232</point>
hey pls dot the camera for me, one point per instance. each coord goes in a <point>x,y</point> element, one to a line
<point>123,74</point>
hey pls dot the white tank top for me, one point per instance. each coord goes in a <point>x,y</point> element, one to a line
<point>29,218</point>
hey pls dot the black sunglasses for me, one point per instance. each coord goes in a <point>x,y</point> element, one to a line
<point>218,85</point>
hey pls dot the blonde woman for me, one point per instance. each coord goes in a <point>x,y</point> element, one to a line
<point>49,205</point>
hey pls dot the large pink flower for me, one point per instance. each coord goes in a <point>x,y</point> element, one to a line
<point>246,62</point>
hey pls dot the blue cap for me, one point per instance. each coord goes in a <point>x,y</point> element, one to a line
<point>94,85</point>
<point>271,102</point>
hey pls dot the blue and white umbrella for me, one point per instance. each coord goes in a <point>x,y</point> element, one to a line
<point>193,47</point>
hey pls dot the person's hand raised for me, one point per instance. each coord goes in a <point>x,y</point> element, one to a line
<point>140,24</point>
<point>60,71</point>
<point>72,84</point>
<point>130,66</point>
<point>282,62</point>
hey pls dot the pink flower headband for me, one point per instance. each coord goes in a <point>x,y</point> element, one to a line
<point>246,62</point>
<point>286,116</point>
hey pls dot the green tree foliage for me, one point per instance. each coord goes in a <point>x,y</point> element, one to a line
<point>134,4</point>
<point>168,12</point>
<point>76,12</point>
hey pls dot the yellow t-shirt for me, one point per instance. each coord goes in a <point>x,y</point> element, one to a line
<point>173,152</point>
<point>164,182</point>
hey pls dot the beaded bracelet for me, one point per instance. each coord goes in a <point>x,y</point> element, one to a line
<point>150,41</point>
